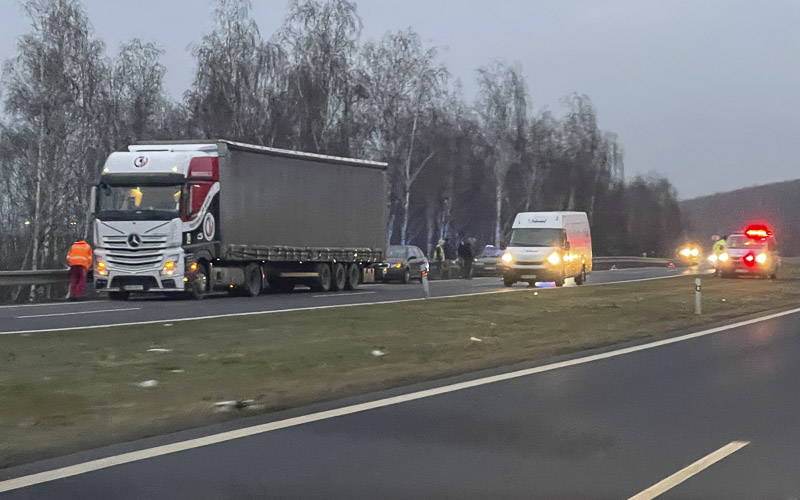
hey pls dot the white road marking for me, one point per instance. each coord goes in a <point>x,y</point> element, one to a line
<point>53,304</point>
<point>135,456</point>
<point>78,312</point>
<point>684,474</point>
<point>347,294</point>
<point>302,309</point>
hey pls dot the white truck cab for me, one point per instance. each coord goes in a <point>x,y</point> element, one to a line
<point>548,246</point>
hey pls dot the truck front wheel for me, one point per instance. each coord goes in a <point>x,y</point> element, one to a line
<point>338,278</point>
<point>323,281</point>
<point>198,284</point>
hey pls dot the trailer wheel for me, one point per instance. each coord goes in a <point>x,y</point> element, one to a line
<point>323,281</point>
<point>353,277</point>
<point>252,280</point>
<point>338,277</point>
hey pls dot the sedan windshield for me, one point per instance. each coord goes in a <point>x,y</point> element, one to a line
<point>138,202</point>
<point>536,237</point>
<point>396,252</point>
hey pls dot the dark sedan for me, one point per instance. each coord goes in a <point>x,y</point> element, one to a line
<point>488,262</point>
<point>403,263</point>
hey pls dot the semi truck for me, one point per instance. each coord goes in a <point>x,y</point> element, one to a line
<point>203,216</point>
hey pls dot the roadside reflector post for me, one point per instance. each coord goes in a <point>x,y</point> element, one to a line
<point>426,286</point>
<point>698,307</point>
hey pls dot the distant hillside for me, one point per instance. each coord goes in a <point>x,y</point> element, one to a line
<point>775,204</point>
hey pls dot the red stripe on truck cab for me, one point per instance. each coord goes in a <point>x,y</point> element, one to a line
<point>204,167</point>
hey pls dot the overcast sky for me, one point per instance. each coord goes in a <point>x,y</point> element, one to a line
<point>706,92</point>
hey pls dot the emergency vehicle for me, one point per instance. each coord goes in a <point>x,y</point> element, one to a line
<point>753,252</point>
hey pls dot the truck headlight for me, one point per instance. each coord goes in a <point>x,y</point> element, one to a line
<point>507,258</point>
<point>761,258</point>
<point>554,258</point>
<point>101,268</point>
<point>169,268</point>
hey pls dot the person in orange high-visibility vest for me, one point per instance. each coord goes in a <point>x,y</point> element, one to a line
<point>79,259</point>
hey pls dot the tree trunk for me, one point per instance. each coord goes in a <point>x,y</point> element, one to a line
<point>498,212</point>
<point>37,202</point>
<point>404,214</point>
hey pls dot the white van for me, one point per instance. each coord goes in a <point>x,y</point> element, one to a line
<point>548,246</point>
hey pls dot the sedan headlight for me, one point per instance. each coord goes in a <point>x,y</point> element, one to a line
<point>695,252</point>
<point>686,252</point>
<point>554,258</point>
<point>507,258</point>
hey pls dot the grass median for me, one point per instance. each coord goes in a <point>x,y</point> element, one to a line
<point>80,389</point>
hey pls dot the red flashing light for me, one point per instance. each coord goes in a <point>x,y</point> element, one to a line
<point>758,231</point>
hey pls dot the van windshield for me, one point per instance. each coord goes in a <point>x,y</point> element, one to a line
<point>536,237</point>
<point>739,241</point>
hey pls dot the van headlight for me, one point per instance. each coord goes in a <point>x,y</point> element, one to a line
<point>554,258</point>
<point>761,258</point>
<point>712,258</point>
<point>723,257</point>
<point>507,258</point>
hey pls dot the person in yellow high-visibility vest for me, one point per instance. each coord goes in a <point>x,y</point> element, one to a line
<point>79,259</point>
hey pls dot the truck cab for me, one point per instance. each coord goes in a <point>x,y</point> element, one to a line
<point>155,213</point>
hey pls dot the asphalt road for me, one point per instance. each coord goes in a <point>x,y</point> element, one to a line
<point>27,318</point>
<point>607,428</point>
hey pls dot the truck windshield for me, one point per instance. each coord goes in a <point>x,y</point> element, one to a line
<point>536,237</point>
<point>138,202</point>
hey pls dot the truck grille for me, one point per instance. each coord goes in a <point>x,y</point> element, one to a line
<point>148,255</point>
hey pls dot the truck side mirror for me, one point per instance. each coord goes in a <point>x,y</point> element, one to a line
<point>93,201</point>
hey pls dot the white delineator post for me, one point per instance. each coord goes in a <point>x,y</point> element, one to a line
<point>426,286</point>
<point>698,307</point>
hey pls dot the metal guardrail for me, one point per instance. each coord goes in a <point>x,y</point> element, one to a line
<point>40,277</point>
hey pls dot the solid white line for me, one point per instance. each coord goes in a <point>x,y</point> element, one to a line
<point>53,304</point>
<point>347,294</point>
<point>78,312</point>
<point>103,463</point>
<point>684,474</point>
<point>301,309</point>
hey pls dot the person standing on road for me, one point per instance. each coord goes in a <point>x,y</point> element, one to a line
<point>718,249</point>
<point>438,259</point>
<point>467,254</point>
<point>79,259</point>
